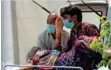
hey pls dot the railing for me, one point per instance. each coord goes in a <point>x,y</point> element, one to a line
<point>65,67</point>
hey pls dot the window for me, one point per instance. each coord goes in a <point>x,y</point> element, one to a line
<point>91,17</point>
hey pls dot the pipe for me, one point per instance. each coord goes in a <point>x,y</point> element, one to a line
<point>91,8</point>
<point>72,67</point>
<point>41,6</point>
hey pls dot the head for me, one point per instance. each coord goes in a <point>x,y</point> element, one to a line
<point>51,18</point>
<point>51,22</point>
<point>35,53</point>
<point>32,53</point>
<point>72,15</point>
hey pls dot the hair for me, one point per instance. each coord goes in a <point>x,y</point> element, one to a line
<point>32,53</point>
<point>72,10</point>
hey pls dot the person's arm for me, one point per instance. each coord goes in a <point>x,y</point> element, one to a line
<point>27,68</point>
<point>58,25</point>
<point>69,45</point>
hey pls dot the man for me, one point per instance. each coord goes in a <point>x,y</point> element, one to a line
<point>72,19</point>
<point>47,38</point>
<point>80,55</point>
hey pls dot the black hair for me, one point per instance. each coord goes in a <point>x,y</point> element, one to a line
<point>72,10</point>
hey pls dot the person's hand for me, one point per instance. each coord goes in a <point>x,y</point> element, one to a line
<point>57,45</point>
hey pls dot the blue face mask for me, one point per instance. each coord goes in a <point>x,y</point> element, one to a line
<point>68,24</point>
<point>50,28</point>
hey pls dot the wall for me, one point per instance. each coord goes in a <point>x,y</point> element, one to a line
<point>7,44</point>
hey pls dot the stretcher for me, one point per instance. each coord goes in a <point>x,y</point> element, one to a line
<point>18,67</point>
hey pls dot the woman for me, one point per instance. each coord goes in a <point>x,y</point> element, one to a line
<point>80,55</point>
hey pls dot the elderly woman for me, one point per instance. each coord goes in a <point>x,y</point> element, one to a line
<point>80,55</point>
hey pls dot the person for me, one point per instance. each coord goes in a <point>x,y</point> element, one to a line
<point>80,55</point>
<point>50,37</point>
<point>72,19</point>
<point>47,38</point>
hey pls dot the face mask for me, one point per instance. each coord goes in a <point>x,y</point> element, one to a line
<point>68,24</point>
<point>50,28</point>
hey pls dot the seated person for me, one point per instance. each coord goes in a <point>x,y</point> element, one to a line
<point>52,37</point>
<point>72,19</point>
<point>54,29</point>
